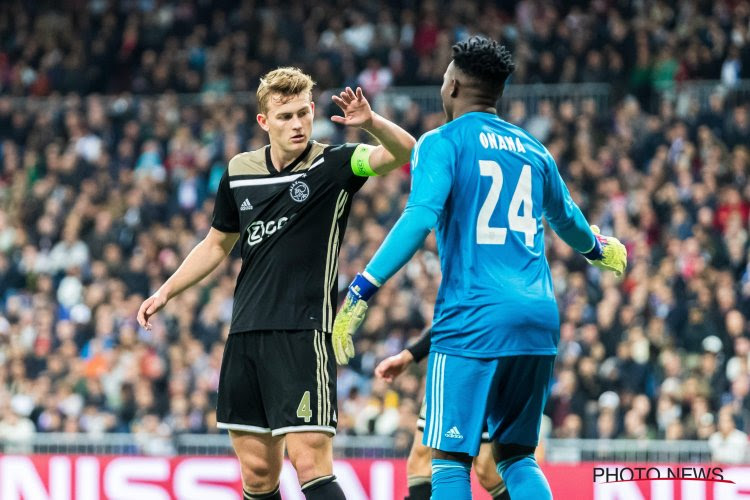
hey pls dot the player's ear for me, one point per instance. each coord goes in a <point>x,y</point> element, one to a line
<point>454,88</point>
<point>312,108</point>
<point>262,121</point>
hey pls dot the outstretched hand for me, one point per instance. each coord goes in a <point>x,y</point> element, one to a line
<point>393,366</point>
<point>357,111</point>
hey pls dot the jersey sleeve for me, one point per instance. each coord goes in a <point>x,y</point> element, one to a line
<point>341,156</point>
<point>226,217</point>
<point>432,169</point>
<point>562,213</point>
<point>432,164</point>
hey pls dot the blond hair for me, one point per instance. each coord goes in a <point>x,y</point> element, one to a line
<point>287,81</point>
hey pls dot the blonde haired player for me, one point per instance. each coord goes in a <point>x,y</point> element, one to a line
<point>287,204</point>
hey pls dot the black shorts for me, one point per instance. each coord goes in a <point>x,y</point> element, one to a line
<point>278,382</point>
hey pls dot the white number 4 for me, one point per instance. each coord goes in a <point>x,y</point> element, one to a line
<point>524,223</point>
<point>303,410</point>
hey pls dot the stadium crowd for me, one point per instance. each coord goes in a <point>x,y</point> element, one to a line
<point>102,197</point>
<point>149,46</point>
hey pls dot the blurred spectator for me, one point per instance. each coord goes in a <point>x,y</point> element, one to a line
<point>728,445</point>
<point>148,47</point>
<point>153,436</point>
<point>374,78</point>
<point>16,431</point>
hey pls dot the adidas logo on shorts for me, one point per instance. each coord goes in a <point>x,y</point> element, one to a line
<point>454,433</point>
<point>246,205</point>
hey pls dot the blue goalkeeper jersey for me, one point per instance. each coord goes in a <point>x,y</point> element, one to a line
<point>490,183</point>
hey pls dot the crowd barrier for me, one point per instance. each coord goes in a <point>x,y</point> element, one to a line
<point>346,446</point>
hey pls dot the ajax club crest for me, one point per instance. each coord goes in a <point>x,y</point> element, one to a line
<point>299,191</point>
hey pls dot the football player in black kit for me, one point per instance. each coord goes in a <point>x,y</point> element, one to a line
<point>287,204</point>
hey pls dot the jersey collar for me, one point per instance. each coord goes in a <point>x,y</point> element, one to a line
<point>288,168</point>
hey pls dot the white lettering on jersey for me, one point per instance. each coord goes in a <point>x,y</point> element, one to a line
<point>491,140</point>
<point>260,229</point>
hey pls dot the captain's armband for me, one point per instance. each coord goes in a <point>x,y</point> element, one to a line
<point>361,161</point>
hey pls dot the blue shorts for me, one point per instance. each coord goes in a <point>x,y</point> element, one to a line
<point>506,394</point>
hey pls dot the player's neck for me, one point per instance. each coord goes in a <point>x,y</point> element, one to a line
<point>280,159</point>
<point>472,108</point>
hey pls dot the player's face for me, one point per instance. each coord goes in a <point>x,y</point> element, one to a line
<point>446,91</point>
<point>288,121</point>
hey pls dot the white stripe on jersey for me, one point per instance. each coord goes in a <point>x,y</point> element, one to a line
<point>316,163</point>
<point>330,265</point>
<point>335,258</point>
<point>265,180</point>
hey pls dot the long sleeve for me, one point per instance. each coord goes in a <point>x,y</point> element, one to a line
<point>432,166</point>
<point>563,215</point>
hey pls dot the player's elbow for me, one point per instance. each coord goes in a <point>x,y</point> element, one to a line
<point>410,143</point>
<point>389,165</point>
<point>403,152</point>
<point>421,218</point>
<point>385,160</point>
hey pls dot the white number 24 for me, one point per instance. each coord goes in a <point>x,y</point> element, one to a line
<point>525,223</point>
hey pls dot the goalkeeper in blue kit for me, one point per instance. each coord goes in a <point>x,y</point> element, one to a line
<point>484,185</point>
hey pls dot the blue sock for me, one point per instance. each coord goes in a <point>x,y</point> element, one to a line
<point>524,479</point>
<point>450,480</point>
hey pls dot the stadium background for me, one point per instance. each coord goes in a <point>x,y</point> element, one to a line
<point>118,118</point>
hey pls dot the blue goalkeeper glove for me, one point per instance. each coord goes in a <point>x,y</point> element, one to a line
<point>608,253</point>
<point>351,315</point>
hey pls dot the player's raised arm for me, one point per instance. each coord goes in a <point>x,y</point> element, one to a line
<point>566,219</point>
<point>395,143</point>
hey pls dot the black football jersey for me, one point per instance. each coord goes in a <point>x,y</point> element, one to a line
<point>291,225</point>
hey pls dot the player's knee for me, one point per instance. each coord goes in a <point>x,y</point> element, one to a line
<point>487,475</point>
<point>506,454</point>
<point>309,466</point>
<point>258,474</point>
<point>311,457</point>
<point>419,461</point>
<point>484,466</point>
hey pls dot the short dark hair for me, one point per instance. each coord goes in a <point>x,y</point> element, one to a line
<point>484,59</point>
